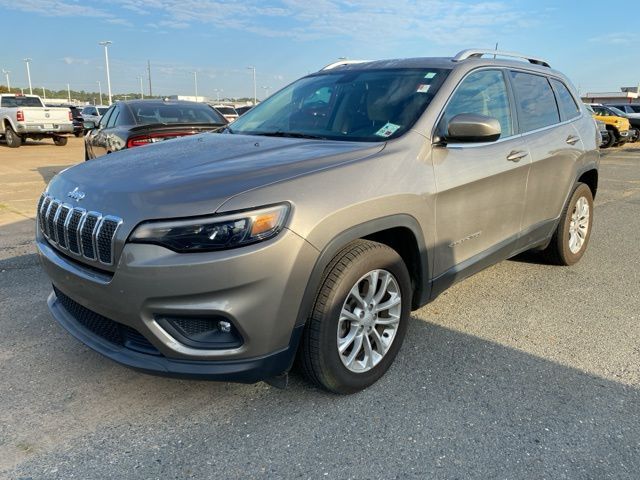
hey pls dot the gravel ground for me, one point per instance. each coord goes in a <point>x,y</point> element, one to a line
<point>522,371</point>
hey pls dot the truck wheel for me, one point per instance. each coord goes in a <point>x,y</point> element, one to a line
<point>77,134</point>
<point>60,141</point>
<point>570,240</point>
<point>12,138</point>
<point>359,319</point>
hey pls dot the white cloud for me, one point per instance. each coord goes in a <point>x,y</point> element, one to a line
<point>434,21</point>
<point>72,60</point>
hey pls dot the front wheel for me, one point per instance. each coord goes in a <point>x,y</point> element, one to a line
<point>612,139</point>
<point>60,141</point>
<point>359,319</point>
<point>572,235</point>
<point>12,138</point>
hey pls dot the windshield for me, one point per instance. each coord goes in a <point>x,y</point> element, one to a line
<point>21,102</point>
<point>364,105</point>
<point>174,113</point>
<point>226,110</point>
<point>102,110</point>
<point>635,108</point>
<point>618,112</point>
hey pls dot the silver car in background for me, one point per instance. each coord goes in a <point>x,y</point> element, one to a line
<point>314,224</point>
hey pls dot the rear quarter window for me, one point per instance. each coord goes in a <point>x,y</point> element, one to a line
<point>566,103</point>
<point>535,100</point>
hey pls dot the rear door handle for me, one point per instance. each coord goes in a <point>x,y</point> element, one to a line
<point>572,140</point>
<point>516,155</point>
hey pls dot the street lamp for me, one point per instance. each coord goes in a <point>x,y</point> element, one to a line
<point>255,88</point>
<point>218,92</point>
<point>195,80</point>
<point>266,91</point>
<point>106,44</point>
<point>141,88</point>
<point>100,89</point>
<point>69,92</point>
<point>27,61</point>
<point>6,75</point>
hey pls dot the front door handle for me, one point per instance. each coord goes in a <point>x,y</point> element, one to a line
<point>516,155</point>
<point>572,140</point>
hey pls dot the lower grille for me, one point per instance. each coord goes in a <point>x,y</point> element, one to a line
<point>105,328</point>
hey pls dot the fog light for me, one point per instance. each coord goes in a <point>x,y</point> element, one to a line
<point>202,331</point>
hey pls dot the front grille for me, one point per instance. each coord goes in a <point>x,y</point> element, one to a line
<point>90,235</point>
<point>111,331</point>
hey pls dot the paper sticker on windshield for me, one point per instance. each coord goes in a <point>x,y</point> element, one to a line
<point>388,130</point>
<point>430,75</point>
<point>423,88</point>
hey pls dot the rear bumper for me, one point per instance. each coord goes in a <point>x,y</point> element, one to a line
<point>248,370</point>
<point>43,129</point>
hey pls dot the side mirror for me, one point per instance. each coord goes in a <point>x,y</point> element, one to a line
<point>88,125</point>
<point>471,127</point>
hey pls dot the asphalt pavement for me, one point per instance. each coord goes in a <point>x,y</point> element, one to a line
<point>523,371</point>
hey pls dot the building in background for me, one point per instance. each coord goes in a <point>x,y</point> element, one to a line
<point>625,95</point>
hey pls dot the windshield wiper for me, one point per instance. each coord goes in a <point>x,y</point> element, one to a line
<point>280,133</point>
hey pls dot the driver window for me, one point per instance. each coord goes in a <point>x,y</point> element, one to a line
<point>483,93</point>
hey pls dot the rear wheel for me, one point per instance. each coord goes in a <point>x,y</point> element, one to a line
<point>12,138</point>
<point>359,318</point>
<point>572,235</point>
<point>60,141</point>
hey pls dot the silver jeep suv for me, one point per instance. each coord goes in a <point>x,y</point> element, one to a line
<point>310,228</point>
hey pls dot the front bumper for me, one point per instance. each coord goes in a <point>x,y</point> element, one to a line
<point>257,288</point>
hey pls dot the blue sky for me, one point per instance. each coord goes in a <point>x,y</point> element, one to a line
<point>289,38</point>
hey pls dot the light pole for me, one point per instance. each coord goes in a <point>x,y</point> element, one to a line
<point>27,61</point>
<point>69,92</point>
<point>6,75</point>
<point>44,94</point>
<point>106,44</point>
<point>255,88</point>
<point>100,89</point>
<point>195,80</point>
<point>218,92</point>
<point>266,91</point>
<point>141,88</point>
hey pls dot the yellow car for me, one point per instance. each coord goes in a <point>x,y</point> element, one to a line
<point>619,127</point>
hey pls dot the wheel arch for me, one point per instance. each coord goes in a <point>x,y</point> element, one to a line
<point>401,232</point>
<point>590,177</point>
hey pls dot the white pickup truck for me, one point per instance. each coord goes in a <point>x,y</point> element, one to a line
<point>25,116</point>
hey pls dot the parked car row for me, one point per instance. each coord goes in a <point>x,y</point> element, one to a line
<point>620,126</point>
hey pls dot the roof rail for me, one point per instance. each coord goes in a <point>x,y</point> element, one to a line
<point>341,63</point>
<point>479,52</point>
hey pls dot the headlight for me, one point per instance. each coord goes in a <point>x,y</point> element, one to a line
<point>216,232</point>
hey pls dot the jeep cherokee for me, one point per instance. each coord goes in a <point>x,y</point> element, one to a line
<point>312,226</point>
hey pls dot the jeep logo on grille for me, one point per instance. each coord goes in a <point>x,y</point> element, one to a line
<point>76,194</point>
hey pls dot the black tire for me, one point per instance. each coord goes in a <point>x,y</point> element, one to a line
<point>318,356</point>
<point>77,134</point>
<point>612,139</point>
<point>558,252</point>
<point>60,141</point>
<point>12,138</point>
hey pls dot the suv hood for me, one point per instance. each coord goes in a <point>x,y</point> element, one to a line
<point>195,175</point>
